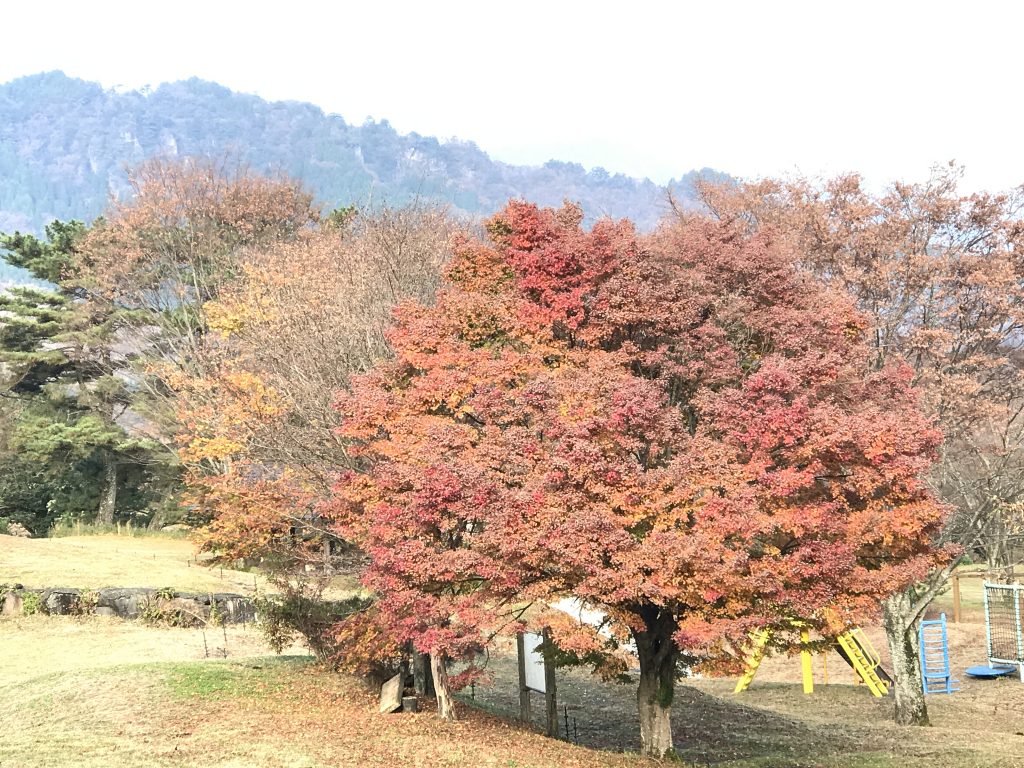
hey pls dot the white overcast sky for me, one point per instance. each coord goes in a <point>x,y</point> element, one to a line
<point>645,88</point>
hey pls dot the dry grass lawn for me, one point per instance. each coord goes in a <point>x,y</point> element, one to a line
<point>74,693</point>
<point>270,713</point>
<point>775,724</point>
<point>36,646</point>
<point>95,562</point>
<point>103,693</point>
<point>98,561</point>
<point>99,693</point>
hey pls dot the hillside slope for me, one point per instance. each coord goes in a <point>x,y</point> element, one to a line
<point>64,145</point>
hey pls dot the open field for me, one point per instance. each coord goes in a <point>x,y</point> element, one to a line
<point>98,561</point>
<point>774,723</point>
<point>972,599</point>
<point>95,562</point>
<point>99,692</point>
<point>36,646</point>
<point>255,714</point>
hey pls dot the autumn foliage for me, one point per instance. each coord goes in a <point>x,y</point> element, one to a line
<point>270,348</point>
<point>720,426</point>
<point>938,276</point>
<point>682,430</point>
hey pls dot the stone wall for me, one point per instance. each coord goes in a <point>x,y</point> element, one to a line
<point>160,605</point>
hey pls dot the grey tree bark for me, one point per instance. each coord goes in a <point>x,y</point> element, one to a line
<point>108,499</point>
<point>900,622</point>
<point>658,655</point>
<point>442,687</point>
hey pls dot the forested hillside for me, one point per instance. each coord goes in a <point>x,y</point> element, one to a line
<point>65,143</point>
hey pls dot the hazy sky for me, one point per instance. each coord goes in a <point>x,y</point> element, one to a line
<point>645,88</point>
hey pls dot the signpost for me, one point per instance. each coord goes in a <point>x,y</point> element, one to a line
<point>537,673</point>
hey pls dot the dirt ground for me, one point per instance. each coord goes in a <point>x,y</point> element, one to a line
<point>775,723</point>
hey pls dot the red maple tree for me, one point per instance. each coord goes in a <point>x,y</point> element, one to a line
<point>682,430</point>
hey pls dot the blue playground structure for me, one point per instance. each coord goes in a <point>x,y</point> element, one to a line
<point>986,672</point>
<point>934,649</point>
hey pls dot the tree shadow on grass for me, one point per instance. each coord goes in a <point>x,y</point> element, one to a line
<point>708,729</point>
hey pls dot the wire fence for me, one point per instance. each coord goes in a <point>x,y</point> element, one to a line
<point>1004,606</point>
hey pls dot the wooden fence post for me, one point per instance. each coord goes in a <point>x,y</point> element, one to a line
<point>956,597</point>
<point>549,686</point>
<point>524,692</point>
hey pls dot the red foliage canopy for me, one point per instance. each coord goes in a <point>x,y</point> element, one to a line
<point>683,430</point>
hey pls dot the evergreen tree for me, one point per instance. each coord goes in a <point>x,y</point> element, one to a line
<point>67,449</point>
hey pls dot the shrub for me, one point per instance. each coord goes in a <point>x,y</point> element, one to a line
<point>87,602</point>
<point>32,602</point>
<point>296,614</point>
<point>156,612</point>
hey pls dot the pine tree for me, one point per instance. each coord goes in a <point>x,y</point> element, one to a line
<point>66,396</point>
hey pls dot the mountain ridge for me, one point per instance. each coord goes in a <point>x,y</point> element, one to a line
<point>65,143</point>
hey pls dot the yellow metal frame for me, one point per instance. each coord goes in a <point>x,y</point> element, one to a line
<point>855,644</point>
<point>865,660</point>
<point>805,662</point>
<point>753,655</point>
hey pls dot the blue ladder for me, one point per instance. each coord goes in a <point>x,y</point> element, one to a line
<point>934,650</point>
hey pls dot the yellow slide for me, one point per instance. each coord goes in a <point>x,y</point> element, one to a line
<point>853,646</point>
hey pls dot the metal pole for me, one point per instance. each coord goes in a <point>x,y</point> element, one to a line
<point>1020,636</point>
<point>805,662</point>
<point>988,624</point>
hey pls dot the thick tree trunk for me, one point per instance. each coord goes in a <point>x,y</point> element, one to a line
<point>442,687</point>
<point>108,499</point>
<point>901,631</point>
<point>422,674</point>
<point>658,654</point>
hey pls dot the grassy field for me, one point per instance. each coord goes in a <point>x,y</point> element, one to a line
<point>972,600</point>
<point>99,692</point>
<point>775,724</point>
<point>94,562</point>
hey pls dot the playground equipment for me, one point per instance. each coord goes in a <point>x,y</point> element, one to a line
<point>1004,632</point>
<point>934,648</point>
<point>985,672</point>
<point>852,646</point>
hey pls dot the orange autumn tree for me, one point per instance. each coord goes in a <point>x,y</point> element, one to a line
<point>258,427</point>
<point>255,416</point>
<point>158,257</point>
<point>682,431</point>
<point>939,278</point>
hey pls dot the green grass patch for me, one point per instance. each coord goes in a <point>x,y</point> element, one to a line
<point>230,679</point>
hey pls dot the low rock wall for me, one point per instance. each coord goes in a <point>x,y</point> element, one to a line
<point>162,605</point>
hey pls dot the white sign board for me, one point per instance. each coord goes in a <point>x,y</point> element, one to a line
<point>534,661</point>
